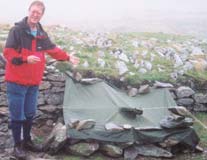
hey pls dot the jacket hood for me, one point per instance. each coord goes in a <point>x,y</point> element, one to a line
<point>24,25</point>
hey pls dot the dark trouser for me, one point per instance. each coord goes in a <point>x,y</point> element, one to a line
<point>22,102</point>
<point>17,126</point>
<point>27,126</point>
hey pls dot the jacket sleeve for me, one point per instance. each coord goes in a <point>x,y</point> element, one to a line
<point>58,54</point>
<point>55,52</point>
<point>12,48</point>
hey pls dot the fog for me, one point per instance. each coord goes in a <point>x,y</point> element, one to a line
<point>120,15</point>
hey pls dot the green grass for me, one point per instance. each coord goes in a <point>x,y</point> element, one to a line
<point>149,76</point>
<point>199,157</point>
<point>39,140</point>
<point>63,66</point>
<point>199,76</point>
<point>71,158</point>
<point>202,132</point>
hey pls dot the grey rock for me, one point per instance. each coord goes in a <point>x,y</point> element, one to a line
<point>56,77</point>
<point>188,66</point>
<point>152,150</point>
<point>41,100</point>
<point>111,150</point>
<point>176,122</point>
<point>85,64</point>
<point>122,67</point>
<point>49,140</point>
<point>133,92</point>
<point>57,89</point>
<point>45,85</point>
<point>49,122</point>
<point>59,140</point>
<point>58,84</point>
<point>148,65</point>
<point>6,140</point>
<point>4,127</point>
<point>83,149</point>
<point>3,100</point>
<point>200,98</point>
<point>4,111</point>
<point>73,123</point>
<point>169,142</point>
<point>142,70</point>
<point>77,76</point>
<point>49,108</point>
<point>197,51</point>
<point>143,89</point>
<point>4,119</point>
<point>178,60</point>
<point>2,79</point>
<point>130,153</point>
<point>85,124</point>
<point>90,80</point>
<point>200,107</point>
<point>3,87</point>
<point>55,99</point>
<point>123,57</point>
<point>112,127</point>
<point>184,91</point>
<point>158,84</point>
<point>2,72</point>
<point>185,101</point>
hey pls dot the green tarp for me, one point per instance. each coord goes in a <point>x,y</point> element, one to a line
<point>102,102</point>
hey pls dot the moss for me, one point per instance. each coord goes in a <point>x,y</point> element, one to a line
<point>64,66</point>
<point>199,76</point>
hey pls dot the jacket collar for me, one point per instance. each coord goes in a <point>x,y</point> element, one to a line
<point>24,25</point>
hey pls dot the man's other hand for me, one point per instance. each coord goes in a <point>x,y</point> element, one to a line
<point>74,60</point>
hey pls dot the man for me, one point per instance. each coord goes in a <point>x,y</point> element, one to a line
<point>24,51</point>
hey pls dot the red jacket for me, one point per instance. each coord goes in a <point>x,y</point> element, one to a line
<point>19,45</point>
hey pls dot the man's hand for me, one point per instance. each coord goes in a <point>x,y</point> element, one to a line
<point>74,60</point>
<point>33,59</point>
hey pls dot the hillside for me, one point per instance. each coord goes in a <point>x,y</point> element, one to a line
<point>132,57</point>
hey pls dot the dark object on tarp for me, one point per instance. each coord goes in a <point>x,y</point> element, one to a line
<point>102,102</point>
<point>130,112</point>
<point>176,122</point>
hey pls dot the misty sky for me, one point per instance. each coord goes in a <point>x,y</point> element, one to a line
<point>80,12</point>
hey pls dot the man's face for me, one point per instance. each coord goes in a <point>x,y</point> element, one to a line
<point>35,14</point>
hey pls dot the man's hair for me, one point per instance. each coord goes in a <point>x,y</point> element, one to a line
<point>38,3</point>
